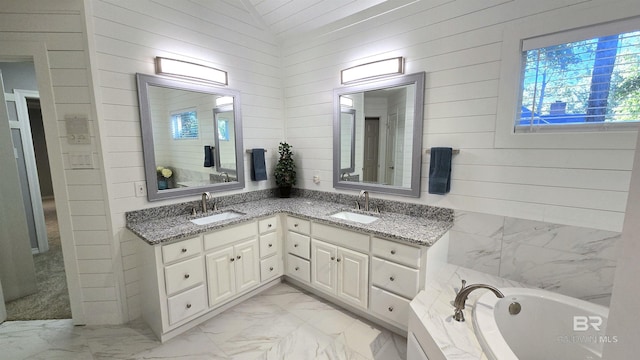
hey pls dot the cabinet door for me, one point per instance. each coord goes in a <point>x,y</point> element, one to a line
<point>353,277</point>
<point>324,266</point>
<point>221,278</point>
<point>247,265</point>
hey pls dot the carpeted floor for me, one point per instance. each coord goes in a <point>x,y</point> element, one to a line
<point>52,299</point>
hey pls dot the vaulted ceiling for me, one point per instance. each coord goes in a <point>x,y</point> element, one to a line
<point>289,18</point>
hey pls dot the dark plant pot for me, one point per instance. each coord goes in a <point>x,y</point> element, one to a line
<point>285,191</point>
<point>163,184</point>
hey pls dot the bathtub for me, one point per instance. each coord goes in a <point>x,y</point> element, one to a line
<point>549,326</point>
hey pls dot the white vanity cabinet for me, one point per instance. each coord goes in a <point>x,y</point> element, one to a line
<point>298,248</point>
<point>397,274</point>
<point>270,248</point>
<point>233,264</point>
<point>188,281</point>
<point>337,270</point>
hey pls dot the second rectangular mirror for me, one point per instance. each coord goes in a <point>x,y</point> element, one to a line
<point>192,137</point>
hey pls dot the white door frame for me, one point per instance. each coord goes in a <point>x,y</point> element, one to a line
<point>36,51</point>
<point>23,123</point>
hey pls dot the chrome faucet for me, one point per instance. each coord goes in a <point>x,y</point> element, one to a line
<point>205,196</point>
<point>226,176</point>
<point>463,293</point>
<point>365,193</point>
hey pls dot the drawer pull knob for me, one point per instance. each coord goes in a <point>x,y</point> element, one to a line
<point>338,259</point>
<point>390,308</point>
<point>184,250</point>
<point>232,259</point>
<point>238,257</point>
<point>333,258</point>
<point>188,306</point>
<point>269,225</point>
<point>186,276</point>
<point>270,245</point>
<point>393,252</point>
<point>295,225</point>
<point>297,268</point>
<point>295,245</point>
<point>271,268</point>
<point>392,278</point>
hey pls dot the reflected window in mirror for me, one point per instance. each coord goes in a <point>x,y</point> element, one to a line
<point>182,123</point>
<point>382,146</point>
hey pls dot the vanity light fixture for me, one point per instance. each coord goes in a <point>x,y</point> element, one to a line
<point>345,101</point>
<point>184,69</point>
<point>224,100</point>
<point>376,69</point>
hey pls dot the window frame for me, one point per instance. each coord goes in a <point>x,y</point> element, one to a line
<point>560,26</point>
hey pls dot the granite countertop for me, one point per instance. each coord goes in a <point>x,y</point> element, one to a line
<point>433,308</point>
<point>413,229</point>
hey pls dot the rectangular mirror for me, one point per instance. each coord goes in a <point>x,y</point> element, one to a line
<point>386,142</point>
<point>191,137</point>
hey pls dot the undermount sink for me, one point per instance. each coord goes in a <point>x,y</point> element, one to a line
<point>351,216</point>
<point>216,217</point>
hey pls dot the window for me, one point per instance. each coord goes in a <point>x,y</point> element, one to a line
<point>184,124</point>
<point>588,83</point>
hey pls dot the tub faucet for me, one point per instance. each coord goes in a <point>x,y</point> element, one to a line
<point>365,193</point>
<point>463,293</point>
<point>205,196</point>
<point>226,176</point>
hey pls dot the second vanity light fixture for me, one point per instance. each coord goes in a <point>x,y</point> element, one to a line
<point>376,69</point>
<point>184,69</point>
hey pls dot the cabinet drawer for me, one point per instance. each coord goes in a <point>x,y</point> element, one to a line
<point>269,224</point>
<point>400,253</point>
<point>181,250</point>
<point>230,235</point>
<point>396,278</point>
<point>298,225</point>
<point>183,275</point>
<point>268,244</point>
<point>187,304</point>
<point>269,267</point>
<point>390,306</point>
<point>298,268</point>
<point>348,239</point>
<point>298,244</point>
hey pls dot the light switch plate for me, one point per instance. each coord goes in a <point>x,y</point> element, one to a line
<point>141,188</point>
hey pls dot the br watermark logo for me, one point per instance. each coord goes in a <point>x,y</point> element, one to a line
<point>583,324</point>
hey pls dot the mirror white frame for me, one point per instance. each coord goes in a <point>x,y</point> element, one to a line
<point>416,79</point>
<point>153,194</point>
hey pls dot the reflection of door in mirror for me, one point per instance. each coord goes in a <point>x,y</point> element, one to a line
<point>371,138</point>
<point>389,166</point>
<point>225,142</point>
<point>347,142</point>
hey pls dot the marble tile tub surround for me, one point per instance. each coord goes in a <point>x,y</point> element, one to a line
<point>431,313</point>
<point>424,226</point>
<point>574,261</point>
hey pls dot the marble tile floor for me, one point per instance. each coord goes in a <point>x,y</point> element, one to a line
<point>281,323</point>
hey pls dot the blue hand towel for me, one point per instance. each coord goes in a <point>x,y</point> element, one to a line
<point>440,170</point>
<point>258,167</point>
<point>208,156</point>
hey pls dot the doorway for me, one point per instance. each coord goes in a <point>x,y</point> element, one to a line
<point>51,297</point>
<point>371,153</point>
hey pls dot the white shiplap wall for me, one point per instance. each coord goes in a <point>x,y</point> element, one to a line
<point>459,45</point>
<point>80,194</point>
<point>127,36</point>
